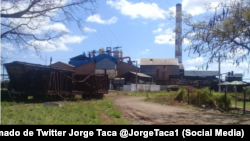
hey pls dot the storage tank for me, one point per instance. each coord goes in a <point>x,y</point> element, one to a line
<point>101,50</point>
<point>116,53</point>
<point>121,54</point>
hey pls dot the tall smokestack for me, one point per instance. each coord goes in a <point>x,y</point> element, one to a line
<point>178,34</point>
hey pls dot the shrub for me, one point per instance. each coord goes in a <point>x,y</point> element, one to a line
<point>202,97</point>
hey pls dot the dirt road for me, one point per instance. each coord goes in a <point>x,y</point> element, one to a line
<point>148,113</point>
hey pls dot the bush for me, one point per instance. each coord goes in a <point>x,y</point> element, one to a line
<point>202,97</point>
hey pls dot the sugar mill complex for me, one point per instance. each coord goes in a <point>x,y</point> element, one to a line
<point>108,68</point>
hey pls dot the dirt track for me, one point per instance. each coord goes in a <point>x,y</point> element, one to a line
<point>144,112</point>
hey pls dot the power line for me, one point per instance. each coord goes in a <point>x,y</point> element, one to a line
<point>168,3</point>
<point>100,34</point>
<point>113,34</point>
<point>163,15</point>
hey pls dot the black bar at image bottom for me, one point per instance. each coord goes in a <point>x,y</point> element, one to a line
<point>125,131</point>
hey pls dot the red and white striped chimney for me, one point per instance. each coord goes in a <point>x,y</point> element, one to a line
<point>178,34</point>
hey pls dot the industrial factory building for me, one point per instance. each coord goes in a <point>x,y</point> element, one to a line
<point>163,71</point>
<point>156,72</point>
<point>107,61</point>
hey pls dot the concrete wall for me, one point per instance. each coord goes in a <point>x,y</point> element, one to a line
<point>163,87</point>
<point>141,87</point>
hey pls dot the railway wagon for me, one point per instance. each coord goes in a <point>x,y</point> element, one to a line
<point>39,81</point>
<point>44,82</point>
<point>93,85</point>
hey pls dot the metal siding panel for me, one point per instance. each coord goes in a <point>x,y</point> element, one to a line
<point>88,68</point>
<point>159,61</point>
<point>163,74</point>
<point>201,73</point>
<point>105,64</point>
<point>123,68</point>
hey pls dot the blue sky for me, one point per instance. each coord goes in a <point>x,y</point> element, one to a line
<point>141,27</point>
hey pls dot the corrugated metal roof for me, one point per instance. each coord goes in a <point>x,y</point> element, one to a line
<point>201,73</point>
<point>238,75</point>
<point>63,63</point>
<point>159,61</point>
<point>140,74</point>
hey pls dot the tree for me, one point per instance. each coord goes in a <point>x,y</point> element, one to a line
<point>227,33</point>
<point>26,24</point>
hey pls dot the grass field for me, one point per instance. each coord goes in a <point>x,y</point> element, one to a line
<point>94,112</point>
<point>3,89</point>
<point>145,94</point>
<point>240,104</point>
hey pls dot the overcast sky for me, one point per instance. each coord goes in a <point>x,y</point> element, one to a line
<point>141,27</point>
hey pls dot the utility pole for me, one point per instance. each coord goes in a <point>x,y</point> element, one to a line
<point>136,76</point>
<point>219,76</point>
<point>219,61</point>
<point>3,79</point>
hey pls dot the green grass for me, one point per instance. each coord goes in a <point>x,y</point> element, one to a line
<point>240,104</point>
<point>94,112</point>
<point>240,95</point>
<point>146,94</point>
<point>4,89</point>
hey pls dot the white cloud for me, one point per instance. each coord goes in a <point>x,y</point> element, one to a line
<point>87,29</point>
<point>146,51</point>
<point>162,24</point>
<point>7,46</point>
<point>56,27</point>
<point>33,55</point>
<point>72,39</point>
<point>168,38</point>
<point>195,7</point>
<point>136,10</point>
<point>191,68</point>
<point>97,18</point>
<point>58,45</point>
<point>157,30</point>
<point>132,23</point>
<point>144,22</point>
<point>195,60</point>
<point>24,57</point>
<point>237,52</point>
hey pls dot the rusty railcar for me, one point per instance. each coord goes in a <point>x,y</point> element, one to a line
<point>92,85</point>
<point>39,81</point>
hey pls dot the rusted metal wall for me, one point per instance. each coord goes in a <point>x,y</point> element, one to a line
<point>39,80</point>
<point>94,83</point>
<point>33,79</point>
<point>86,69</point>
<point>161,74</point>
<point>123,68</point>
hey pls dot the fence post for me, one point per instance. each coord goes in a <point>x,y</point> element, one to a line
<point>244,103</point>
<point>3,79</point>
<point>225,99</point>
